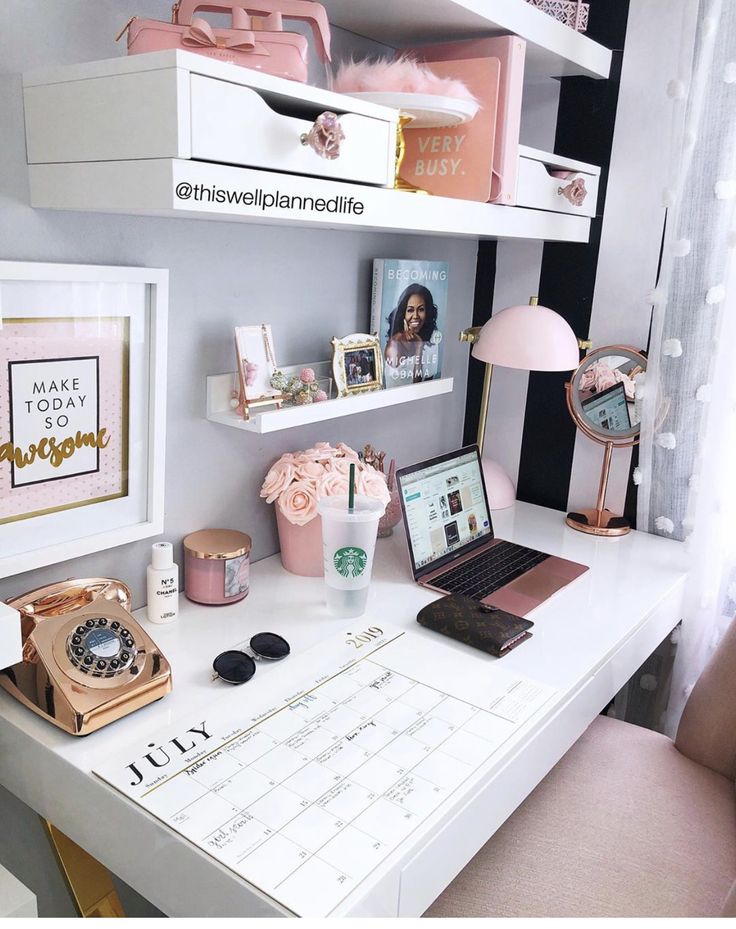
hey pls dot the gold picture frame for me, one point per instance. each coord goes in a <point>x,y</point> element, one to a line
<point>357,364</point>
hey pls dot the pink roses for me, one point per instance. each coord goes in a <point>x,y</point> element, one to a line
<point>299,479</point>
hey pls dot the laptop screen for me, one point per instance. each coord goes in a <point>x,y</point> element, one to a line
<point>608,409</point>
<point>445,506</point>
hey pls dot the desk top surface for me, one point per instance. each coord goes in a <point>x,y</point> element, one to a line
<point>575,632</point>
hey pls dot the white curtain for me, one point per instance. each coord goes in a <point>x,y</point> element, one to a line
<point>687,467</point>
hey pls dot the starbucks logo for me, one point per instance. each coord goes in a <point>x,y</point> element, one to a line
<point>350,562</point>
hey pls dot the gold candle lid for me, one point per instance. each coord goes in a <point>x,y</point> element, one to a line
<point>217,543</point>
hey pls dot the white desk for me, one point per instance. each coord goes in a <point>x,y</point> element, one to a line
<point>15,900</point>
<point>588,640</point>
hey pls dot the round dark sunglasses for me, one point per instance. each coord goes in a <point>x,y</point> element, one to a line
<point>237,667</point>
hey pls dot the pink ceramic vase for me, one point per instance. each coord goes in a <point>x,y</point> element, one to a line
<point>301,546</point>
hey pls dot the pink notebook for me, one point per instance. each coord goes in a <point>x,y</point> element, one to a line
<point>456,161</point>
<point>510,50</point>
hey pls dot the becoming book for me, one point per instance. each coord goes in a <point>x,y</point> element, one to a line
<point>408,312</point>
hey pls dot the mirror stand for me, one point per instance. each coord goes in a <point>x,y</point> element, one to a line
<point>602,398</point>
<point>600,521</point>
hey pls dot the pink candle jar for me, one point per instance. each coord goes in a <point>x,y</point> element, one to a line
<point>216,566</point>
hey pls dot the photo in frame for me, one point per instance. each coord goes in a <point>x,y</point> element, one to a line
<point>82,409</point>
<point>357,364</point>
<point>256,366</point>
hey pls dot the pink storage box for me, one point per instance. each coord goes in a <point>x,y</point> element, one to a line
<point>256,38</point>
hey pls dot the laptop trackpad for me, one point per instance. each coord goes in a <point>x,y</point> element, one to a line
<point>527,592</point>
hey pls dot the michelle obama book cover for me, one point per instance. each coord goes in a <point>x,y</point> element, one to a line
<point>408,311</point>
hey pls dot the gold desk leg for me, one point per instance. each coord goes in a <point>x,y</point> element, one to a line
<point>89,882</point>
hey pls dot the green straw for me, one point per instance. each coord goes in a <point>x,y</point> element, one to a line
<point>351,489</point>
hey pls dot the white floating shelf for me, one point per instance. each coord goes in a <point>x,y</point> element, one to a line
<point>175,187</point>
<point>553,49</point>
<point>219,387</point>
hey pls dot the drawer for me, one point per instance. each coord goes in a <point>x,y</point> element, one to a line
<point>236,124</point>
<point>180,105</point>
<point>561,185</point>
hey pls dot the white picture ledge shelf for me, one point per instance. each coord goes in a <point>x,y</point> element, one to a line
<point>176,187</point>
<point>219,387</point>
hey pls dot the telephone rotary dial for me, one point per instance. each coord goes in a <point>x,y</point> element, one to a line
<point>86,661</point>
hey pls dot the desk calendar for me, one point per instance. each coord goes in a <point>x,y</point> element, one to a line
<point>354,745</point>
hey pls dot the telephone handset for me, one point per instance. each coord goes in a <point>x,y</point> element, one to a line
<point>86,661</point>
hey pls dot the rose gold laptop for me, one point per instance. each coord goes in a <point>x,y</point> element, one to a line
<point>451,541</point>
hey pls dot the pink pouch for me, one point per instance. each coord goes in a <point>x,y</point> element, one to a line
<point>255,40</point>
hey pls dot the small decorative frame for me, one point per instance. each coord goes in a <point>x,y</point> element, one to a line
<point>256,366</point>
<point>357,364</point>
<point>82,409</point>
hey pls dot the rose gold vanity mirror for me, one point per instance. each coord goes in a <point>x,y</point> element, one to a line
<point>86,661</point>
<point>604,400</point>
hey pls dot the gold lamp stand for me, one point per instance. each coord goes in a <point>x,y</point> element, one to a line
<point>471,336</point>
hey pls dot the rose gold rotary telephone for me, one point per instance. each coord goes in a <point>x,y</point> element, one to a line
<point>86,661</point>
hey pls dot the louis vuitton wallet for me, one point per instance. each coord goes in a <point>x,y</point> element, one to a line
<point>488,628</point>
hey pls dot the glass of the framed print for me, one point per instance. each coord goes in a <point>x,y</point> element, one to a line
<point>256,365</point>
<point>82,409</point>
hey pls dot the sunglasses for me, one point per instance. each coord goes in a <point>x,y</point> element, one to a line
<point>236,667</point>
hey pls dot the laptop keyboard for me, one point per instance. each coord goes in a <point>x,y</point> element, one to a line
<point>480,576</point>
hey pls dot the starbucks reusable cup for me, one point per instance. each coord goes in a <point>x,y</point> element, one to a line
<point>348,543</point>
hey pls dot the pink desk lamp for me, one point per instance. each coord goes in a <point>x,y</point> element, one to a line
<point>531,338</point>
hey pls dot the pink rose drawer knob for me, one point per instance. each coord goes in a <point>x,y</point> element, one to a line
<point>325,136</point>
<point>575,192</point>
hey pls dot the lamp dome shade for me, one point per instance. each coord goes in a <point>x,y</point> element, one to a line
<point>529,337</point>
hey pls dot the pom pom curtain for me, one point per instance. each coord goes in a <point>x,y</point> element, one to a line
<point>688,447</point>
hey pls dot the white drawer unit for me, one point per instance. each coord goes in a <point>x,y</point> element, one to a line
<point>176,104</point>
<point>560,185</point>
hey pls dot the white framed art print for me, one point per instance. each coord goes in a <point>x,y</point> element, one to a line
<point>82,409</point>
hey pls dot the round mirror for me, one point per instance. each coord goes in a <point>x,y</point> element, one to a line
<point>604,395</point>
<point>604,398</point>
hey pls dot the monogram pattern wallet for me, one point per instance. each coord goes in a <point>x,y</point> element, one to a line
<point>485,627</point>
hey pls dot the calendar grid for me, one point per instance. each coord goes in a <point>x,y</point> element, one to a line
<point>357,821</point>
<point>308,800</point>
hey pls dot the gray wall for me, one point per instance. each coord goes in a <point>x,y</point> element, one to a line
<point>310,285</point>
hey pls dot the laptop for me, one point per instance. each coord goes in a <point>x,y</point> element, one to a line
<point>452,545</point>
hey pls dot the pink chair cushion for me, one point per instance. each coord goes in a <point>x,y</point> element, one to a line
<point>729,907</point>
<point>707,730</point>
<point>624,825</point>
